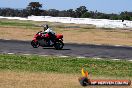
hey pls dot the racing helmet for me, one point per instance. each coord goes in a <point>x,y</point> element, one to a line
<point>45,27</point>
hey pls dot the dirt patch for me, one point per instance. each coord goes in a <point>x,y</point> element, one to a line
<point>87,36</point>
<point>37,80</point>
<point>43,80</point>
<point>16,33</point>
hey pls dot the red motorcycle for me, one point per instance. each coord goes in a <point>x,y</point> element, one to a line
<point>44,40</point>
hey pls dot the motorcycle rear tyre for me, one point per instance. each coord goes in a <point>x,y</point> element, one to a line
<point>59,45</point>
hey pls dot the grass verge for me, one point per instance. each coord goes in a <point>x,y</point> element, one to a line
<point>17,23</point>
<point>69,65</point>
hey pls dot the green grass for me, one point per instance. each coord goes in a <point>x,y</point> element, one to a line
<point>65,65</point>
<point>19,24</point>
<point>15,24</point>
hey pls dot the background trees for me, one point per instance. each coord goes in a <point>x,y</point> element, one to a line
<point>80,11</point>
<point>34,8</point>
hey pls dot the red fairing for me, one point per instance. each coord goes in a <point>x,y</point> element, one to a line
<point>35,36</point>
<point>47,35</point>
<point>59,36</point>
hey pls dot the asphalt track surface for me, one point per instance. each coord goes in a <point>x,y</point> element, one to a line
<point>78,50</point>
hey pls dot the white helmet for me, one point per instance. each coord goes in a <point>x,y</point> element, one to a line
<point>45,27</point>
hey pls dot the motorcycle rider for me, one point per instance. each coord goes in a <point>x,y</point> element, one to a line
<point>50,32</point>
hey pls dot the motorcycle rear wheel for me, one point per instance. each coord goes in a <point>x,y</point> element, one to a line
<point>59,45</point>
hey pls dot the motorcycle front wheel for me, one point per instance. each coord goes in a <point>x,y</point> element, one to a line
<point>34,44</point>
